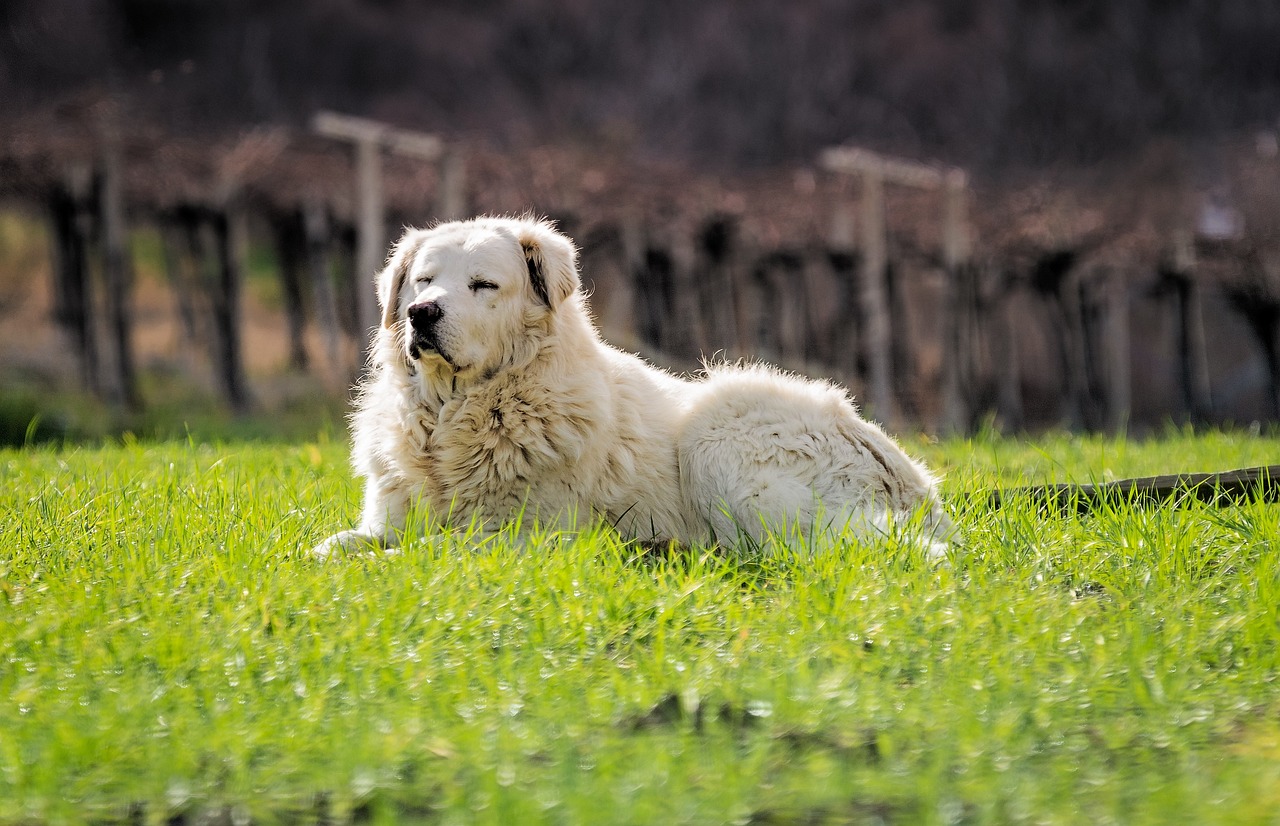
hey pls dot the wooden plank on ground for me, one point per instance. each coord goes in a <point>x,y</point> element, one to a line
<point>1222,488</point>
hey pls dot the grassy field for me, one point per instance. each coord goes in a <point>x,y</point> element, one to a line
<point>169,654</point>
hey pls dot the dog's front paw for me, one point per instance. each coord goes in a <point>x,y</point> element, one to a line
<point>349,543</point>
<point>938,553</point>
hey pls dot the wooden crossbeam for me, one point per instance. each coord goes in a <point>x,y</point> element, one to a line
<point>854,160</point>
<point>419,145</point>
<point>1222,488</point>
<point>371,139</point>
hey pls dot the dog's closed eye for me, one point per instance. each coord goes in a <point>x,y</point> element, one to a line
<point>481,284</point>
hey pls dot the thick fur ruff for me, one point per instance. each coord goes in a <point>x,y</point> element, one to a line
<point>510,404</point>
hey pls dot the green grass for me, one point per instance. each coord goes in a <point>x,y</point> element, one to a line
<point>35,413</point>
<point>168,652</point>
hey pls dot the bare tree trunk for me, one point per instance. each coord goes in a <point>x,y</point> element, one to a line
<point>1197,391</point>
<point>1193,359</point>
<point>118,277</point>
<point>957,312</point>
<point>183,279</point>
<point>1271,346</point>
<point>326,311</point>
<point>795,307</point>
<point>845,329</point>
<point>1262,313</point>
<point>715,287</point>
<point>780,325</point>
<point>1118,382</point>
<point>229,235</point>
<point>688,337</point>
<point>655,291</point>
<point>747,304</point>
<point>202,245</point>
<point>350,283</point>
<point>1007,364</point>
<point>902,358</point>
<point>1197,395</point>
<point>291,250</point>
<point>815,338</point>
<point>73,289</point>
<point>1074,366</point>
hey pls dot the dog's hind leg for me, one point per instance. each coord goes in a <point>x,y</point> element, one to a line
<point>763,452</point>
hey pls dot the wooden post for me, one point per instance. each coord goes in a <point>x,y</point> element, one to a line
<point>874,299</point>
<point>371,139</point>
<point>452,197</point>
<point>371,228</point>
<point>956,302</point>
<point>874,172</point>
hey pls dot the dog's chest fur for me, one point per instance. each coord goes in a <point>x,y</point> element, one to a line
<point>497,447</point>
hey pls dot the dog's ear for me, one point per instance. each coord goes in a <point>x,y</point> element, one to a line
<point>394,273</point>
<point>552,261</point>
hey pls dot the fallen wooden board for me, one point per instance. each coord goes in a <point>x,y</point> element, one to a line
<point>1224,488</point>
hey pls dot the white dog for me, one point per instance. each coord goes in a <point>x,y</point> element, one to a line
<point>492,396</point>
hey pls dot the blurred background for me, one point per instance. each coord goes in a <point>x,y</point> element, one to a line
<point>1025,214</point>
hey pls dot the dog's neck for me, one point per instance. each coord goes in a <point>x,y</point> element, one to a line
<point>433,382</point>
<point>436,383</point>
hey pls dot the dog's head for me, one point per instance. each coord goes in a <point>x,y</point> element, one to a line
<point>473,294</point>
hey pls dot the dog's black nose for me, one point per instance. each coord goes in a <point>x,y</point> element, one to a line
<point>424,316</point>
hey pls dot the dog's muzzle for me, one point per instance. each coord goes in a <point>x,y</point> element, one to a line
<point>424,317</point>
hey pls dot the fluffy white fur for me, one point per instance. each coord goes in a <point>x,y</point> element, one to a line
<point>514,405</point>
